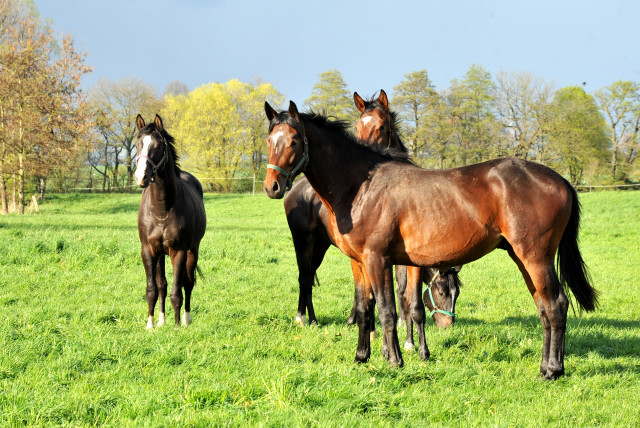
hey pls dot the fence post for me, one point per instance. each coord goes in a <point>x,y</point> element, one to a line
<point>253,191</point>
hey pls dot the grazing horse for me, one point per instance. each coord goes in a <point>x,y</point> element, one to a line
<point>388,211</point>
<point>171,220</point>
<point>308,222</point>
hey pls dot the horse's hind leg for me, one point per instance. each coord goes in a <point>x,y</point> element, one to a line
<point>161,281</point>
<point>544,286</point>
<point>192,263</point>
<point>320,246</point>
<point>365,312</point>
<point>401,285</point>
<point>178,260</point>
<point>150,265</point>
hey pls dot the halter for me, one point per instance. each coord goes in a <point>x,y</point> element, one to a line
<point>154,167</point>
<point>433,303</point>
<point>301,166</point>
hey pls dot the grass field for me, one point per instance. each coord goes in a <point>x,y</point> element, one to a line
<point>75,350</point>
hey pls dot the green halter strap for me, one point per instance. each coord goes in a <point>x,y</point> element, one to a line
<point>433,303</point>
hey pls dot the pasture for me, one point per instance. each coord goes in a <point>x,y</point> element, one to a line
<point>75,350</point>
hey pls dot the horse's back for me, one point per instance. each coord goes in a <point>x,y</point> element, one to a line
<point>189,179</point>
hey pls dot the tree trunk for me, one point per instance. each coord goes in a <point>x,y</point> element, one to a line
<point>614,159</point>
<point>43,187</point>
<point>20,183</point>
<point>3,193</point>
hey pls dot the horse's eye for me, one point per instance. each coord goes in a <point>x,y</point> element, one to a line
<point>382,128</point>
<point>293,143</point>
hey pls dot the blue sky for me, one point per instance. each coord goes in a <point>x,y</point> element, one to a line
<point>373,43</point>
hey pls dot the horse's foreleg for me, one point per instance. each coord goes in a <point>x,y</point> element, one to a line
<point>364,312</point>
<point>192,263</point>
<point>178,260</point>
<point>378,272</point>
<point>161,281</point>
<point>416,309</point>
<point>152,290</point>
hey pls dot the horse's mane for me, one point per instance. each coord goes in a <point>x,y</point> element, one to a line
<point>150,128</point>
<point>341,128</point>
<point>373,104</point>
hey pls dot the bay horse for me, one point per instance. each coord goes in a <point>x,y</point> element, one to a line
<point>379,125</point>
<point>171,220</point>
<point>308,222</point>
<point>389,211</point>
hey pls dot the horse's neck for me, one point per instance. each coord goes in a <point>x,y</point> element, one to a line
<point>165,188</point>
<point>333,171</point>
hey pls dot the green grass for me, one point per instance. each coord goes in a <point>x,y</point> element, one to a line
<point>75,350</point>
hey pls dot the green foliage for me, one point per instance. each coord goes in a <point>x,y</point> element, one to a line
<point>75,351</point>
<point>220,128</point>
<point>577,133</point>
<point>331,97</point>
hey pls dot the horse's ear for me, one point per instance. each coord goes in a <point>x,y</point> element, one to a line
<point>158,122</point>
<point>270,112</point>
<point>293,110</point>
<point>139,121</point>
<point>357,99</point>
<point>382,99</point>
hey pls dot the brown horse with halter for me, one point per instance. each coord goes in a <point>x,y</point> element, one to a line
<point>171,220</point>
<point>388,211</point>
<point>308,222</point>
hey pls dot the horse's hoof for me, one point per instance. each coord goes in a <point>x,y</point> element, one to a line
<point>150,323</point>
<point>300,320</point>
<point>361,357</point>
<point>161,320</point>
<point>424,355</point>
<point>408,346</point>
<point>313,322</point>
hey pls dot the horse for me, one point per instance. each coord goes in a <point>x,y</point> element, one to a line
<point>389,211</point>
<point>307,220</point>
<point>171,220</point>
<point>379,125</point>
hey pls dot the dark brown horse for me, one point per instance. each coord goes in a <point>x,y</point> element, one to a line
<point>308,221</point>
<point>171,220</point>
<point>388,211</point>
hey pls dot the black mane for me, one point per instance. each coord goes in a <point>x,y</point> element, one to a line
<point>341,128</point>
<point>150,128</point>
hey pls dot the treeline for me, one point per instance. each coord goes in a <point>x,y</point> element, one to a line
<point>53,135</point>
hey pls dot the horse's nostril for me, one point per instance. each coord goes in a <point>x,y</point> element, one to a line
<point>275,187</point>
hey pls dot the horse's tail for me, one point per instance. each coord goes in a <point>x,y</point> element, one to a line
<point>573,271</point>
<point>199,271</point>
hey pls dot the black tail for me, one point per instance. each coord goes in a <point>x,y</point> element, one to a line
<point>572,270</point>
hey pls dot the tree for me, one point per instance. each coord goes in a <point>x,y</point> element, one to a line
<point>176,87</point>
<point>331,96</point>
<point>415,99</point>
<point>620,103</point>
<point>577,132</point>
<point>220,128</point>
<point>473,115</point>
<point>41,103</point>
<point>116,105</point>
<point>522,103</point>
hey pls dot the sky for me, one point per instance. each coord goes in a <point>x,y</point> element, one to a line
<point>372,43</point>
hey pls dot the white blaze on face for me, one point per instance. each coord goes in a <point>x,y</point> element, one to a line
<point>141,167</point>
<point>275,139</point>
<point>366,119</point>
